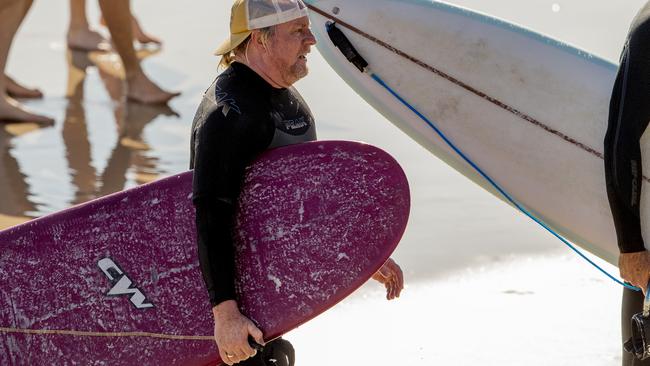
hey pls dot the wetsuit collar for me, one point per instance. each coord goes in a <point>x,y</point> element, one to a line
<point>252,76</point>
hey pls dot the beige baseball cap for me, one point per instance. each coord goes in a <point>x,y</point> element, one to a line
<point>247,15</point>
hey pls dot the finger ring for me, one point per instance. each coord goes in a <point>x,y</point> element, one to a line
<point>229,356</point>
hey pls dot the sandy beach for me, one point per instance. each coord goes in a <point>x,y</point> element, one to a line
<point>485,285</point>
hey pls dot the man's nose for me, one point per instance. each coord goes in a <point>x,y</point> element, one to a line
<point>310,39</point>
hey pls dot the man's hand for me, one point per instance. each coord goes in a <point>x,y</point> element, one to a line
<point>231,330</point>
<point>635,268</point>
<point>390,275</point>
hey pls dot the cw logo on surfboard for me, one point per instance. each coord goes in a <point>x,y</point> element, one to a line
<point>122,284</point>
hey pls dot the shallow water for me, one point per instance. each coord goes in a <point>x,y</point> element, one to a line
<point>468,257</point>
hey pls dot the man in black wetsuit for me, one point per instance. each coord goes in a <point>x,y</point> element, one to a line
<point>249,108</point>
<point>629,114</point>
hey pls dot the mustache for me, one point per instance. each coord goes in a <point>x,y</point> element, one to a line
<point>305,52</point>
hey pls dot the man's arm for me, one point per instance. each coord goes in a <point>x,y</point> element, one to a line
<point>629,114</point>
<point>224,145</point>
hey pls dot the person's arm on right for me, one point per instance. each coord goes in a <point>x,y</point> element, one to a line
<point>628,119</point>
<point>623,178</point>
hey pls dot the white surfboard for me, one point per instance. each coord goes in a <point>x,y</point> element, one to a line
<point>528,110</point>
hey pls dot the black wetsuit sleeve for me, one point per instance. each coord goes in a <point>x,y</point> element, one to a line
<point>223,146</point>
<point>629,114</point>
<point>216,253</point>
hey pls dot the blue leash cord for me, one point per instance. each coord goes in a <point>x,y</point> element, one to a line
<point>496,185</point>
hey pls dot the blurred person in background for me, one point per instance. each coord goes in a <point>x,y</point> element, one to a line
<point>82,38</point>
<point>12,13</point>
<point>123,28</point>
<point>120,22</point>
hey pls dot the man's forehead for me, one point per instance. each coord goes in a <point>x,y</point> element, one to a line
<point>302,21</point>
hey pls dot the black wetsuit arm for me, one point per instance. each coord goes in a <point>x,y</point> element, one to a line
<point>223,146</point>
<point>623,175</point>
<point>629,114</point>
<point>214,226</point>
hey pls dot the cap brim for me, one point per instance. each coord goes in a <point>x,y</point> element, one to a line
<point>231,43</point>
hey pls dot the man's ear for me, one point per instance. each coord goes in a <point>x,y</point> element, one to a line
<point>255,37</point>
<point>258,40</point>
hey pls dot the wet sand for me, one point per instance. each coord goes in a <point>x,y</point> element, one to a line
<point>7,221</point>
<point>485,284</point>
<point>529,310</point>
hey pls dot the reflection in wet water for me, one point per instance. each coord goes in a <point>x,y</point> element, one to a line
<point>103,145</point>
<point>14,200</point>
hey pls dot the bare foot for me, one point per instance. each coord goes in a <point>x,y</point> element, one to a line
<point>142,90</point>
<point>12,112</point>
<point>87,40</point>
<point>16,90</point>
<point>138,33</point>
<point>141,36</point>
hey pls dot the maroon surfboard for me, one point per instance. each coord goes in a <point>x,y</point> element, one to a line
<point>116,281</point>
